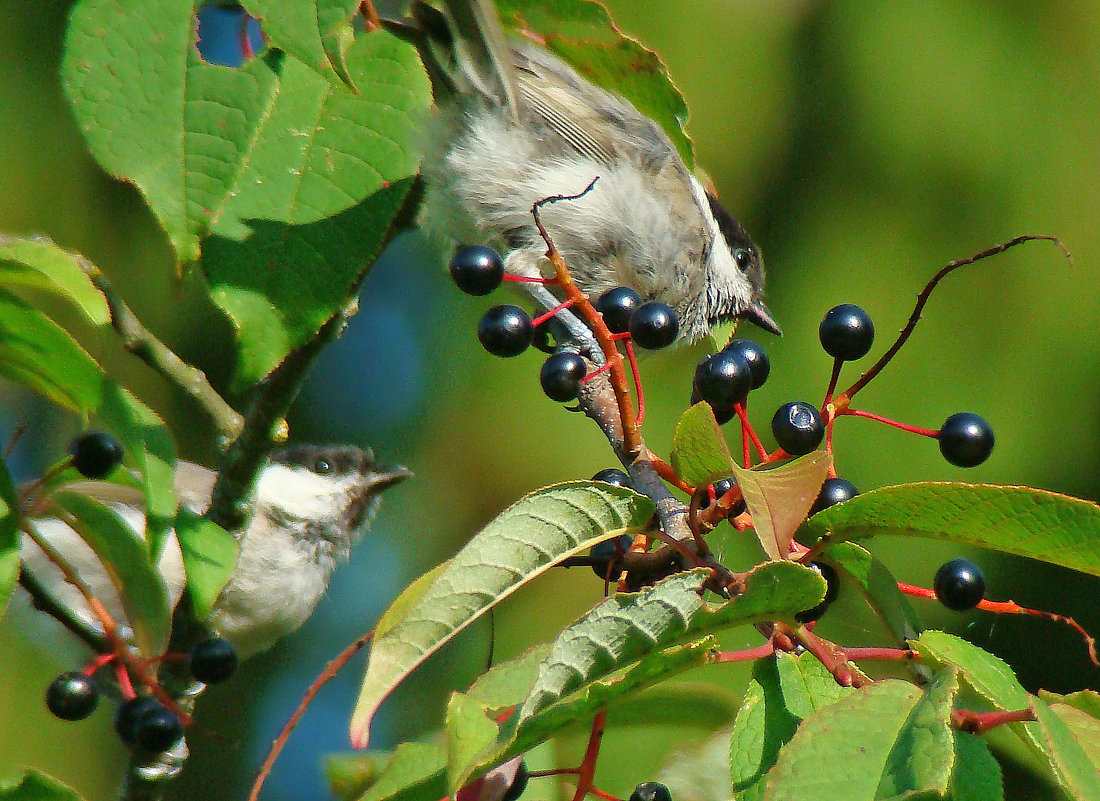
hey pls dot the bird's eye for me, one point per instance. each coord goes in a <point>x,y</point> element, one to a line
<point>322,467</point>
<point>743,257</point>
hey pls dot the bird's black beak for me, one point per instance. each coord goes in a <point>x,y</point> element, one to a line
<point>384,478</point>
<point>758,314</point>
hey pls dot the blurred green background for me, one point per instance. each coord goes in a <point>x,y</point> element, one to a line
<point>864,145</point>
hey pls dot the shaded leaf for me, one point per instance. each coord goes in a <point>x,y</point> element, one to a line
<point>700,454</point>
<point>39,263</point>
<point>977,776</point>
<point>878,585</point>
<point>317,33</point>
<point>922,758</point>
<point>780,496</point>
<point>763,726</point>
<point>508,683</point>
<point>1085,729</point>
<point>469,733</point>
<point>209,559</point>
<point>1078,775</point>
<point>34,786</point>
<point>415,772</point>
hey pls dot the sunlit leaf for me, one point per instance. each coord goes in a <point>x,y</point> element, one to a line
<point>780,496</point>
<point>209,559</point>
<point>700,454</point>
<point>318,33</point>
<point>39,263</point>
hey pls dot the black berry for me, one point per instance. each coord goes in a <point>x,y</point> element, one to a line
<point>96,454</point>
<point>959,584</point>
<point>72,696</point>
<point>847,332</point>
<point>505,331</point>
<point>518,785</point>
<point>613,475</point>
<point>833,491</point>
<point>157,729</point>
<point>651,791</point>
<point>723,379</point>
<point>758,360</point>
<point>722,414</point>
<point>609,552</point>
<point>966,439</point>
<point>213,660</point>
<point>130,712</point>
<point>477,270</point>
<point>797,427</point>
<point>720,489</point>
<point>561,376</point>
<point>653,325</point>
<point>616,305</point>
<point>832,588</point>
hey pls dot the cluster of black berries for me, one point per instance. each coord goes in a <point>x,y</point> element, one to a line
<point>508,330</point>
<point>142,721</point>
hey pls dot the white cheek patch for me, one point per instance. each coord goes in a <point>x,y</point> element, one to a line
<point>302,494</point>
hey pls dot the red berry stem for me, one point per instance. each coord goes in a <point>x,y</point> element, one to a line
<point>1013,608</point>
<point>371,20</point>
<point>98,662</point>
<point>924,432</point>
<point>527,280</point>
<point>637,380</point>
<point>838,363</point>
<point>747,655</point>
<point>542,318</point>
<point>979,722</point>
<point>896,654</point>
<point>586,772</point>
<point>747,430</point>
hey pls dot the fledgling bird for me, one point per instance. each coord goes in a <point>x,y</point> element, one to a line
<point>309,505</point>
<point>518,124</point>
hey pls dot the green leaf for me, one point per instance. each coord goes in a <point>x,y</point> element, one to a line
<point>581,32</point>
<point>922,757</point>
<point>349,775</point>
<point>1028,522</point>
<point>845,749</point>
<point>414,773</point>
<point>40,264</point>
<point>1088,701</point>
<point>34,786</point>
<point>9,537</point>
<point>779,497</point>
<point>977,776</point>
<point>317,33</point>
<point>763,726</point>
<point>526,540</point>
<point>805,684</point>
<point>700,454</point>
<point>209,559</point>
<point>508,683</point>
<point>126,561</point>
<point>1069,762</point>
<point>469,733</point>
<point>1085,729</point>
<point>878,585</point>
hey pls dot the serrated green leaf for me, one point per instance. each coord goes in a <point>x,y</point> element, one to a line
<point>700,454</point>
<point>843,749</point>
<point>922,759</point>
<point>317,33</point>
<point>762,727</point>
<point>39,263</point>
<point>508,683</point>
<point>1088,701</point>
<point>878,585</point>
<point>527,539</point>
<point>469,733</point>
<point>414,773</point>
<point>581,32</point>
<point>780,496</point>
<point>806,685</point>
<point>9,537</point>
<point>1068,761</point>
<point>209,559</point>
<point>1085,729</point>
<point>126,561</point>
<point>977,776</point>
<point>31,785</point>
<point>1028,522</point>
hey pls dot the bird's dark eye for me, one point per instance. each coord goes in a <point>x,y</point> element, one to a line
<point>743,257</point>
<point>322,467</point>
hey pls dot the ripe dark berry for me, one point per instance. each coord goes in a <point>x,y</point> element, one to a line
<point>477,270</point>
<point>561,376</point>
<point>130,712</point>
<point>832,589</point>
<point>653,325</point>
<point>833,491</point>
<point>797,427</point>
<point>518,785</point>
<point>966,439</point>
<point>613,475</point>
<point>72,696</point>
<point>605,554</point>
<point>722,414</point>
<point>96,454</point>
<point>651,791</point>
<point>616,305</point>
<point>213,660</point>
<point>157,729</point>
<point>505,331</point>
<point>758,360</point>
<point>959,584</point>
<point>720,489</point>
<point>723,379</point>
<point>847,332</point>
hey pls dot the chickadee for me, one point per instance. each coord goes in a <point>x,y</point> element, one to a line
<point>519,125</point>
<point>309,504</point>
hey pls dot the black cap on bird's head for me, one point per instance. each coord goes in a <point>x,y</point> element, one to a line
<point>750,262</point>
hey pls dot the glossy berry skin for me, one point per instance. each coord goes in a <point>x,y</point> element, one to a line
<point>505,331</point>
<point>966,439</point>
<point>96,454</point>
<point>617,305</point>
<point>833,491</point>
<point>832,589</point>
<point>477,269</point>
<point>797,427</point>
<point>605,553</point>
<point>561,376</point>
<point>213,660</point>
<point>959,584</point>
<point>758,360</point>
<point>723,379</point>
<point>613,475</point>
<point>72,696</point>
<point>130,712</point>
<point>847,332</point>
<point>518,785</point>
<point>651,791</point>
<point>157,729</point>
<point>720,489</point>
<point>653,325</point>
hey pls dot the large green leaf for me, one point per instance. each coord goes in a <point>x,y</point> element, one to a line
<point>9,537</point>
<point>779,497</point>
<point>40,264</point>
<point>1029,522</point>
<point>317,32</point>
<point>209,559</point>
<point>699,453</point>
<point>922,758</point>
<point>526,540</point>
<point>763,726</point>
<point>126,561</point>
